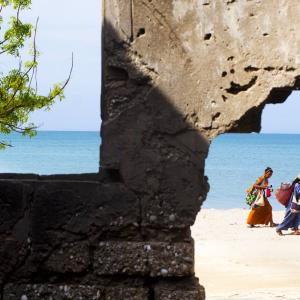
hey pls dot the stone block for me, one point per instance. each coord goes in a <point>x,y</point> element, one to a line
<point>15,197</point>
<point>126,293</point>
<point>14,200</point>
<point>69,258</point>
<point>73,292</point>
<point>187,290</point>
<point>162,294</point>
<point>52,292</point>
<point>112,258</point>
<point>155,259</point>
<point>12,252</point>
<point>49,225</point>
<point>69,211</point>
<point>176,204</point>
<point>170,259</point>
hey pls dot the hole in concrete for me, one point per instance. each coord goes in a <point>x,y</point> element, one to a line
<point>216,116</point>
<point>236,88</point>
<point>207,36</point>
<point>251,69</point>
<point>235,161</point>
<point>224,73</point>
<point>290,69</point>
<point>224,98</point>
<point>269,68</point>
<point>141,32</point>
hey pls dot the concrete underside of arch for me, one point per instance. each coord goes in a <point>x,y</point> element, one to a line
<point>175,74</point>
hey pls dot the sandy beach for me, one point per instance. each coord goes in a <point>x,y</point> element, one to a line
<point>236,262</point>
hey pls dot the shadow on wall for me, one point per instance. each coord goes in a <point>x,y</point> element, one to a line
<point>146,142</point>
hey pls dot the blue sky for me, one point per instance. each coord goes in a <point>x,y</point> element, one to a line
<point>67,26</point>
<point>64,27</point>
<point>282,118</point>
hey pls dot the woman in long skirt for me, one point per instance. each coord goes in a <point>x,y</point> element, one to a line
<point>262,214</point>
<point>292,214</point>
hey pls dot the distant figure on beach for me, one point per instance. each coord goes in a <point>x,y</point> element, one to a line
<point>261,209</point>
<point>292,214</point>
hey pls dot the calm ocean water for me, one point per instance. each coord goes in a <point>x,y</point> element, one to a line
<point>234,162</point>
<point>52,152</point>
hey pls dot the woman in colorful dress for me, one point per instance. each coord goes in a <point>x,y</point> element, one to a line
<point>262,214</point>
<point>292,214</point>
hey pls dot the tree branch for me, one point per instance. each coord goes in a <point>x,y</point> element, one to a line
<point>69,77</point>
<point>31,67</point>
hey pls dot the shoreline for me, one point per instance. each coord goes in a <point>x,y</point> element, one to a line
<point>233,261</point>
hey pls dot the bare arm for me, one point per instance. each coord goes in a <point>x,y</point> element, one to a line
<point>258,184</point>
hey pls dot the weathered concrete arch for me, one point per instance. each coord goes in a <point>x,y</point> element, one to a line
<point>176,74</point>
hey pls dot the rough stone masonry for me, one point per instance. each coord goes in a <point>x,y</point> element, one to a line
<point>176,73</point>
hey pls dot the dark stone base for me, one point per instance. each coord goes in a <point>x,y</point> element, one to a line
<point>165,291</point>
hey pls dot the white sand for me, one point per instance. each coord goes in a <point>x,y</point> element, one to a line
<point>236,262</point>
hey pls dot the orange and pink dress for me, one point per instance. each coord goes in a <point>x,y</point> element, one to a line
<point>263,214</point>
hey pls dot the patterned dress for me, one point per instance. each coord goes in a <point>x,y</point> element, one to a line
<point>292,214</point>
<point>263,214</point>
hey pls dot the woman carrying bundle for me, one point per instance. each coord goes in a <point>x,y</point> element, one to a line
<point>292,214</point>
<point>261,213</point>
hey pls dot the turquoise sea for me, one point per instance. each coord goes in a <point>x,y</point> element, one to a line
<point>52,152</point>
<point>235,161</point>
<point>233,164</point>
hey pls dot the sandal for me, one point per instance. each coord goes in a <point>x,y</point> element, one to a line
<point>279,232</point>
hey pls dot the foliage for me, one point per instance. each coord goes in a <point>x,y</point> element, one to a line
<point>18,87</point>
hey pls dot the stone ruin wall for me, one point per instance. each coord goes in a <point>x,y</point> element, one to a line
<point>176,74</point>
